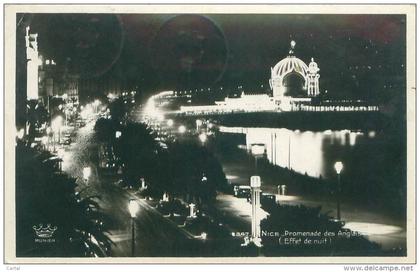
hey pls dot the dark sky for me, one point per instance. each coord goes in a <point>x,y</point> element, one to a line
<point>357,54</point>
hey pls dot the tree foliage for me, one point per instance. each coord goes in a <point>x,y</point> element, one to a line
<point>195,171</point>
<point>138,151</point>
<point>45,196</point>
<point>183,169</point>
<point>105,130</point>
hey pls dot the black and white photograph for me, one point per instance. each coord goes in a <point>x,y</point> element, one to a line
<point>211,132</point>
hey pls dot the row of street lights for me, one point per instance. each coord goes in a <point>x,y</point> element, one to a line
<point>182,129</point>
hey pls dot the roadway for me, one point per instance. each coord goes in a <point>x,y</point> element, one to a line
<point>156,236</point>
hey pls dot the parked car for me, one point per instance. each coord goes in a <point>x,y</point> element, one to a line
<point>242,191</point>
<point>267,199</point>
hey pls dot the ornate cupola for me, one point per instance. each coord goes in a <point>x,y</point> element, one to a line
<point>313,78</point>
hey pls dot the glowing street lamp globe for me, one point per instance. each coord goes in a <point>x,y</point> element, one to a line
<point>255,181</point>
<point>338,167</point>
<point>133,207</point>
<point>170,123</point>
<point>203,137</point>
<point>182,129</point>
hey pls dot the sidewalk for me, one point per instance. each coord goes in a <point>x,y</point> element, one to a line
<point>375,222</point>
<point>376,225</point>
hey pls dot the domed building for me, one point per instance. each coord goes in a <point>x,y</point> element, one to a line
<point>293,78</point>
<point>294,84</point>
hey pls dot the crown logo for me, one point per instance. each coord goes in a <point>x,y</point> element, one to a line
<point>44,232</point>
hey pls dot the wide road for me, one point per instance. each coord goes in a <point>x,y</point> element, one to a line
<point>155,235</point>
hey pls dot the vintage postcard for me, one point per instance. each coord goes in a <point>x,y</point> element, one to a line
<point>210,134</point>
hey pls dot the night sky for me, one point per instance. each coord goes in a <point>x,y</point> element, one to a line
<point>359,55</point>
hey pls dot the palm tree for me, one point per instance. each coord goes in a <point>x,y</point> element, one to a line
<point>138,151</point>
<point>46,196</point>
<point>195,171</point>
<point>105,133</point>
<point>36,116</point>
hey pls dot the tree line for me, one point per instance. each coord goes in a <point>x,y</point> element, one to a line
<point>180,169</point>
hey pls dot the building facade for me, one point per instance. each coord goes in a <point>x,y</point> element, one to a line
<point>32,63</point>
<point>293,80</point>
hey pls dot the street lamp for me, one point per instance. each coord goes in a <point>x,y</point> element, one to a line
<point>56,128</point>
<point>45,142</point>
<point>49,130</point>
<point>96,104</point>
<point>133,208</point>
<point>255,183</point>
<point>182,129</point>
<point>202,137</point>
<point>257,150</point>
<point>66,112</point>
<point>170,124</point>
<point>198,123</point>
<point>338,168</point>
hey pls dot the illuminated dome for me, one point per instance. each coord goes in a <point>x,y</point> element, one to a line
<point>292,78</point>
<point>289,77</point>
<point>288,65</point>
